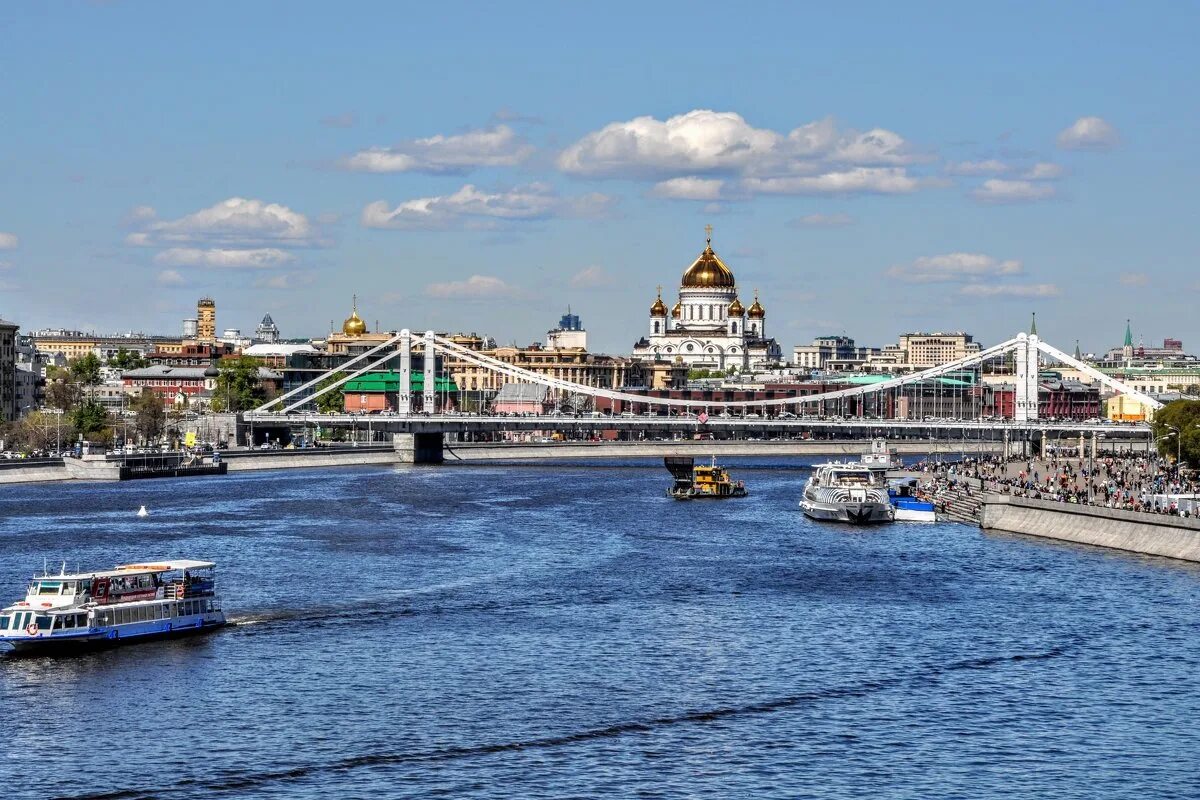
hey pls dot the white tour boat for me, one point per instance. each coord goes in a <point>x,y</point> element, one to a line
<point>846,493</point>
<point>130,603</point>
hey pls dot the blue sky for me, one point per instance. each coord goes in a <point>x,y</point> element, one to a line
<point>870,169</point>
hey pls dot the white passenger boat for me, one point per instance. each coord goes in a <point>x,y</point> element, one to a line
<point>853,493</point>
<point>130,603</point>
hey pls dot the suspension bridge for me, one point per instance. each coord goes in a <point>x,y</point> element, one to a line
<point>888,407</point>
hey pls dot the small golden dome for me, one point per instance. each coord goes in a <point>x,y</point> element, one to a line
<point>708,270</point>
<point>677,311</point>
<point>736,309</point>
<point>354,326</point>
<point>658,309</point>
<point>756,311</point>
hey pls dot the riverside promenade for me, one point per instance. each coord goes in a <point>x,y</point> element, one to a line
<point>483,453</point>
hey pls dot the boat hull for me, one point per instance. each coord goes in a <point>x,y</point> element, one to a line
<point>27,646</point>
<point>853,512</point>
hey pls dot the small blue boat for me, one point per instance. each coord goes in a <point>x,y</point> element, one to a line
<point>909,505</point>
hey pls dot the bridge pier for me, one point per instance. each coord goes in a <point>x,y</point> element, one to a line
<point>418,448</point>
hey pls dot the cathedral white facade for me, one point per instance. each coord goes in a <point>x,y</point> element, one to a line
<point>709,328</point>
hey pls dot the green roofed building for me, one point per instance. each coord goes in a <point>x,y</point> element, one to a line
<point>379,391</point>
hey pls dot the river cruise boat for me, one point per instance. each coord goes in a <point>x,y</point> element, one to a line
<point>697,482</point>
<point>852,493</point>
<point>130,603</point>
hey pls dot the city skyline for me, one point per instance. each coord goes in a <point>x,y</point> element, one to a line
<point>858,183</point>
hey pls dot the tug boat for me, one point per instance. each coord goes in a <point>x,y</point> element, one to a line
<point>852,493</point>
<point>67,613</point>
<point>694,483</point>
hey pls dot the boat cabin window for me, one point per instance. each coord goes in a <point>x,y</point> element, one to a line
<point>43,622</point>
<point>4,620</point>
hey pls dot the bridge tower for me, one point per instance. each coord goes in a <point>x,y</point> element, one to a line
<point>404,391</point>
<point>429,399</point>
<point>1028,365</point>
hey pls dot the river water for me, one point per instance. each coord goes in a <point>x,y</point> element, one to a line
<point>568,631</point>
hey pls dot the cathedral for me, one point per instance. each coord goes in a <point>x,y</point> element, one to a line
<point>709,328</point>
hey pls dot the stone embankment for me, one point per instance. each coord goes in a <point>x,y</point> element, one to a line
<point>1132,531</point>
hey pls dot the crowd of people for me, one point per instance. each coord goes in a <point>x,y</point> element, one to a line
<point>1143,482</point>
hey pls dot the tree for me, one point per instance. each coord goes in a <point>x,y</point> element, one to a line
<point>126,359</point>
<point>334,399</point>
<point>1180,419</point>
<point>149,414</point>
<point>62,394</point>
<point>38,430</point>
<point>86,369</point>
<point>90,418</point>
<point>238,387</point>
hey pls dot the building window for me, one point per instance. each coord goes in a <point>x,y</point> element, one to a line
<point>656,327</point>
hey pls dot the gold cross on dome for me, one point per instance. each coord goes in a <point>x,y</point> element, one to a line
<point>708,233</point>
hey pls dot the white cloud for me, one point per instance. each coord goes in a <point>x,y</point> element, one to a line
<point>8,241</point>
<point>238,222</point>
<point>689,188</point>
<point>138,240</point>
<point>222,258</point>
<point>591,278</point>
<point>1043,171</point>
<point>860,180</point>
<point>997,190</point>
<point>1010,290</point>
<point>472,207</point>
<point>5,265</point>
<point>140,214</point>
<point>989,166</point>
<point>499,146</point>
<point>1134,279</point>
<point>1088,133</point>
<point>170,277</point>
<point>822,221</point>
<point>474,287</point>
<point>704,141</point>
<point>954,268</point>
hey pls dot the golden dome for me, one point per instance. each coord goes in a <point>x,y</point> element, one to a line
<point>736,309</point>
<point>708,270</point>
<point>677,311</point>
<point>354,326</point>
<point>658,309</point>
<point>756,311</point>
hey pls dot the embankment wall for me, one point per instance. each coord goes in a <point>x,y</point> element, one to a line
<point>1133,531</point>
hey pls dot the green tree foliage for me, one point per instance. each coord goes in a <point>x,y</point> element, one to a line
<point>238,387</point>
<point>126,360</point>
<point>90,418</point>
<point>149,414</point>
<point>332,400</point>
<point>86,369</point>
<point>1181,420</point>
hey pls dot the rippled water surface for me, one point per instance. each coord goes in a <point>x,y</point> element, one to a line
<point>569,632</point>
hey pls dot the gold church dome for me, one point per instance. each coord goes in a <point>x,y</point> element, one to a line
<point>736,309</point>
<point>756,311</point>
<point>677,311</point>
<point>658,309</point>
<point>708,270</point>
<point>354,326</point>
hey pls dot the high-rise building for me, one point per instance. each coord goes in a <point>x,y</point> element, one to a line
<point>8,371</point>
<point>569,335</point>
<point>267,330</point>
<point>206,320</point>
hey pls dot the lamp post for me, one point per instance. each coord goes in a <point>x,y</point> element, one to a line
<point>1092,468</point>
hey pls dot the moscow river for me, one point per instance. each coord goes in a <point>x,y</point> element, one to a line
<point>568,631</point>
